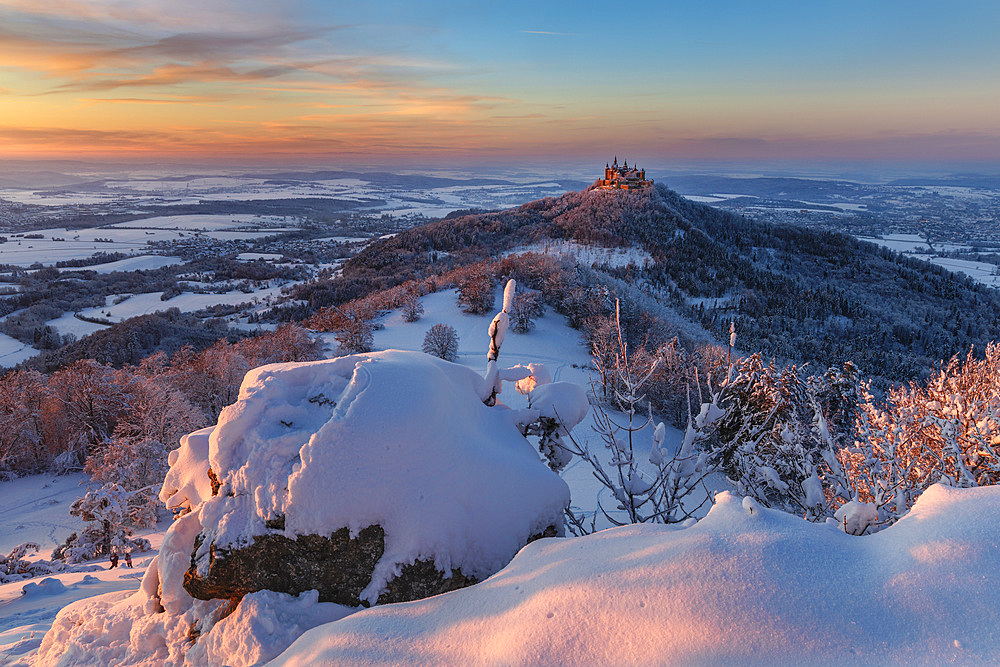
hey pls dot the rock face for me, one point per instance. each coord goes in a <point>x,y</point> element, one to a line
<point>337,566</point>
<point>395,448</point>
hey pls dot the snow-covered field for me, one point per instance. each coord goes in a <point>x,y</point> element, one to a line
<point>133,238</point>
<point>916,246</point>
<point>13,351</point>
<point>187,302</point>
<point>69,323</point>
<point>588,255</point>
<point>981,272</point>
<point>200,223</point>
<point>136,263</point>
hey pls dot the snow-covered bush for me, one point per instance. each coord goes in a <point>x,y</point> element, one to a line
<point>775,433</point>
<point>947,430</point>
<point>106,510</point>
<point>15,566</point>
<point>441,341</point>
<point>662,493</point>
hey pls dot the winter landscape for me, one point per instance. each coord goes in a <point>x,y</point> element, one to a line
<point>526,335</point>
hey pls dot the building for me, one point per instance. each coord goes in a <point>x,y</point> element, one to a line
<point>623,177</point>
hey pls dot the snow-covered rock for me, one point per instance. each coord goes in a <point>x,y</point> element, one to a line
<point>187,483</point>
<point>736,587</point>
<point>400,441</point>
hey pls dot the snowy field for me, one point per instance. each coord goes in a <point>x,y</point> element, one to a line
<point>187,302</point>
<point>588,255</point>
<point>200,223</point>
<point>69,323</point>
<point>899,242</point>
<point>61,244</point>
<point>13,351</point>
<point>916,246</point>
<point>981,272</point>
<point>136,263</point>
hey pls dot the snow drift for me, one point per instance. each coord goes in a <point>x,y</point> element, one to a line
<point>744,585</point>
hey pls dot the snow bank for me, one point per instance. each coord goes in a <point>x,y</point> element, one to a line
<point>397,439</point>
<point>736,587</point>
<point>264,624</point>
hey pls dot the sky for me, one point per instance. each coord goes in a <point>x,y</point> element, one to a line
<point>498,82</point>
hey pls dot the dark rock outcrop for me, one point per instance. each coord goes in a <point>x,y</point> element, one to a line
<point>338,566</point>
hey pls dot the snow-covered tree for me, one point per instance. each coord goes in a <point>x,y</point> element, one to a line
<point>947,430</point>
<point>527,307</point>
<point>441,340</point>
<point>106,510</point>
<point>22,425</point>
<point>356,335</point>
<point>775,433</point>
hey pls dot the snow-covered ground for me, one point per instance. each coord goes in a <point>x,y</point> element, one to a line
<point>36,509</point>
<point>144,304</point>
<point>131,238</point>
<point>743,585</point>
<point>136,263</point>
<point>981,272</point>
<point>916,246</point>
<point>588,255</point>
<point>69,323</point>
<point>199,222</point>
<point>13,351</point>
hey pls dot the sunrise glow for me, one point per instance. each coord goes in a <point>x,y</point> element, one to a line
<point>438,80</point>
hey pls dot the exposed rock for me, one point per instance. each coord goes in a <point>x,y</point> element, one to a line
<point>337,566</point>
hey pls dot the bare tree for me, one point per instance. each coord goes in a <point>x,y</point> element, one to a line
<point>413,309</point>
<point>441,341</point>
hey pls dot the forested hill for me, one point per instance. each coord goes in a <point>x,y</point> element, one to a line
<point>796,294</point>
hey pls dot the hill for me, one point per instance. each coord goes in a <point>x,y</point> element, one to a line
<point>795,294</point>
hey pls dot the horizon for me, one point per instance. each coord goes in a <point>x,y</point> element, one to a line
<point>849,87</point>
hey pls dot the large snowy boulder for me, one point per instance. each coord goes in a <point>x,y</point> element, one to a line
<point>370,478</point>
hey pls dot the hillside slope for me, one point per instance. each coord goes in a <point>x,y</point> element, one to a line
<point>795,294</point>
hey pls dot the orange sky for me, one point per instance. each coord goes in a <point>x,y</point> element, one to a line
<point>440,80</point>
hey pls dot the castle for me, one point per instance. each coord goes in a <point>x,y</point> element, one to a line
<point>623,177</point>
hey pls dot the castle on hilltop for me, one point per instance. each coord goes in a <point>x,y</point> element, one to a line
<point>623,177</point>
